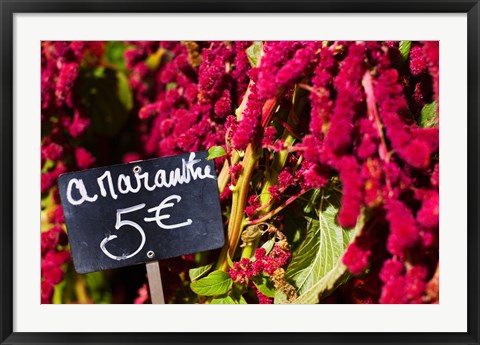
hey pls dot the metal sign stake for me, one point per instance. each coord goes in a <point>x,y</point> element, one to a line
<point>155,282</point>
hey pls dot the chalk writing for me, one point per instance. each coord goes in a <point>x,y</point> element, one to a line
<point>158,219</point>
<point>162,179</point>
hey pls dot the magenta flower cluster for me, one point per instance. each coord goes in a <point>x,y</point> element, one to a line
<point>292,117</point>
<point>66,121</point>
<point>247,269</point>
<point>362,126</point>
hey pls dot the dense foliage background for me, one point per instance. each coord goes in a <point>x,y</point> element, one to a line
<point>326,155</point>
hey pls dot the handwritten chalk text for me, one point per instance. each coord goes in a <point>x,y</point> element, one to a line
<point>77,193</point>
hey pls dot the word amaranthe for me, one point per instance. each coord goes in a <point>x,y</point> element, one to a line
<point>77,193</point>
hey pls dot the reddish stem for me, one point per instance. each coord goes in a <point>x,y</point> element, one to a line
<point>278,209</point>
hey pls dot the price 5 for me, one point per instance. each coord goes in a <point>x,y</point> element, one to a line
<point>158,218</point>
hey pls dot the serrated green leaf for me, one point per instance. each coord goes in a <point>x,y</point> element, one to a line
<point>264,285</point>
<point>428,116</point>
<point>223,300</point>
<point>405,49</point>
<point>253,52</point>
<point>326,284</point>
<point>215,152</point>
<point>216,283</point>
<point>196,273</point>
<point>316,266</point>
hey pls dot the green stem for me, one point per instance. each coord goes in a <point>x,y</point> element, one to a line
<point>239,200</point>
<point>224,175</point>
<point>81,291</point>
<point>278,163</point>
<point>240,191</point>
<point>247,251</point>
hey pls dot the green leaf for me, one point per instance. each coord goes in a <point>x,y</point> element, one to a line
<point>124,92</point>
<point>314,199</point>
<point>428,116</point>
<point>115,53</point>
<point>253,52</point>
<point>264,285</point>
<point>234,296</point>
<point>223,300</point>
<point>216,283</point>
<point>280,298</point>
<point>337,275</point>
<point>215,152</point>
<point>268,246</point>
<point>241,300</point>
<point>316,267</point>
<point>229,260</point>
<point>237,291</point>
<point>405,49</point>
<point>196,273</point>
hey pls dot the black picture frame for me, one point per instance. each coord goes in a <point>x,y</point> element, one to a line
<point>10,7</point>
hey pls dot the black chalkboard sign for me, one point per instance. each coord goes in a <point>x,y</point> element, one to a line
<point>133,213</point>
